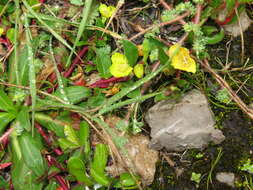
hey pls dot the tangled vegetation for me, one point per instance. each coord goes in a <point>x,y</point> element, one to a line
<point>67,66</point>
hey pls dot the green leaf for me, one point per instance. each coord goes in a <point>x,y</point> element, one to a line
<point>24,119</point>
<point>5,118</point>
<point>77,2</point>
<point>131,52</point>
<point>56,35</point>
<point>163,57</point>
<point>230,4</point>
<point>10,34</point>
<point>81,28</point>
<point>127,180</point>
<point>5,103</point>
<point>103,61</point>
<point>71,135</point>
<point>31,154</point>
<point>28,180</point>
<point>67,144</point>
<point>52,186</point>
<point>32,74</point>
<point>75,94</point>
<point>98,165</point>
<point>77,168</point>
<point>54,125</point>
<point>84,134</point>
<point>22,66</point>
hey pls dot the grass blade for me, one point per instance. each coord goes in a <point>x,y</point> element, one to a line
<point>55,34</point>
<point>86,11</point>
<point>58,75</point>
<point>32,74</point>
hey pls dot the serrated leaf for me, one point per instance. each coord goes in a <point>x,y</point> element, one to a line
<point>103,61</point>
<point>31,154</point>
<point>5,119</point>
<point>77,168</point>
<point>131,52</point>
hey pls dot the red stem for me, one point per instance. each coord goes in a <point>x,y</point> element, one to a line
<point>76,61</point>
<point>5,165</point>
<point>62,182</point>
<point>6,134</point>
<point>46,138</point>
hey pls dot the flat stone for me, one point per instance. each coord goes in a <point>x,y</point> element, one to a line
<point>226,177</point>
<point>184,124</point>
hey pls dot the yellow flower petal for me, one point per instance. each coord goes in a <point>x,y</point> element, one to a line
<point>106,11</point>
<point>120,67</point>
<point>181,59</point>
<point>1,31</point>
<point>139,70</point>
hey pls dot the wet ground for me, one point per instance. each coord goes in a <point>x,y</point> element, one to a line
<point>238,129</point>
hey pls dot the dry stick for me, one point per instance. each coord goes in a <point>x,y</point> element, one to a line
<point>224,84</point>
<point>242,38</point>
<point>112,145</point>
<point>39,91</point>
<point>159,26</point>
<point>119,5</point>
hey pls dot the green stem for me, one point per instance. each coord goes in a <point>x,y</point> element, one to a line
<point>130,101</point>
<point>125,91</point>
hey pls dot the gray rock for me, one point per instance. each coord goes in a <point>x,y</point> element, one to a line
<point>182,125</point>
<point>226,177</point>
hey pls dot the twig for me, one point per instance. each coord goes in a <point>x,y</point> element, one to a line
<point>232,94</point>
<point>242,38</point>
<point>39,91</point>
<point>159,26</point>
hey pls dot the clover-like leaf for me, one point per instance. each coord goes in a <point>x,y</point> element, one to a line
<point>120,67</point>
<point>106,11</point>
<point>181,59</point>
<point>139,70</point>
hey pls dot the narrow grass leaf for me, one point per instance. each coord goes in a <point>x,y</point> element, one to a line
<point>55,34</point>
<point>85,15</point>
<point>58,75</point>
<point>32,74</point>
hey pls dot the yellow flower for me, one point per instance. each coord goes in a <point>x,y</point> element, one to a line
<point>120,67</point>
<point>139,70</point>
<point>181,59</point>
<point>106,11</point>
